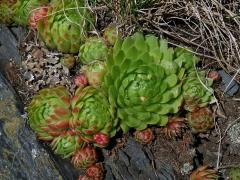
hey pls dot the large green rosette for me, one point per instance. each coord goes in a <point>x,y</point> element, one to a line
<point>144,80</point>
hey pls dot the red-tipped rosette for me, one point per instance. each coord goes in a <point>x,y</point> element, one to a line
<point>37,15</point>
<point>95,171</point>
<point>81,80</point>
<point>145,136</point>
<point>85,157</point>
<point>174,127</point>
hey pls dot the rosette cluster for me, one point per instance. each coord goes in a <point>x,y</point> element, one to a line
<point>72,123</point>
<point>139,82</point>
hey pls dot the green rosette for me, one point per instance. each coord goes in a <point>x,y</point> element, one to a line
<point>66,25</point>
<point>144,80</point>
<point>94,49</point>
<point>93,116</point>
<point>49,112</point>
<point>197,91</point>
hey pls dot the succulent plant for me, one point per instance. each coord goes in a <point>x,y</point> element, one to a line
<point>6,9</point>
<point>234,174</point>
<point>81,81</point>
<point>65,26</point>
<point>110,34</point>
<point>214,75</point>
<point>145,136</point>
<point>93,117</point>
<point>174,126</point>
<point>197,91</point>
<point>101,139</point>
<point>144,80</point>
<point>36,16</point>
<point>94,73</point>
<point>24,8</point>
<point>84,157</point>
<point>68,61</point>
<point>18,11</point>
<point>67,144</point>
<point>95,171</point>
<point>200,120</point>
<point>84,177</point>
<point>49,112</point>
<point>94,49</point>
<point>204,173</point>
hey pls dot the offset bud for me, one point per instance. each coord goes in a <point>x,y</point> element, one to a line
<point>94,73</point>
<point>214,75</point>
<point>145,136</point>
<point>200,120</point>
<point>174,126</point>
<point>68,61</point>
<point>111,34</point>
<point>204,172</point>
<point>36,16</point>
<point>67,144</point>
<point>101,139</point>
<point>85,178</point>
<point>80,80</point>
<point>95,171</point>
<point>197,91</point>
<point>85,157</point>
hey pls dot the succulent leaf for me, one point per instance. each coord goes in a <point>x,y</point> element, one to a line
<point>18,11</point>
<point>234,173</point>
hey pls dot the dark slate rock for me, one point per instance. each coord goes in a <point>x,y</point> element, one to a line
<point>134,162</point>
<point>22,157</point>
<point>9,42</point>
<point>228,88</point>
<point>165,172</point>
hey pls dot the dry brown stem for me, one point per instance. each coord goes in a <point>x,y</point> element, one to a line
<point>210,28</point>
